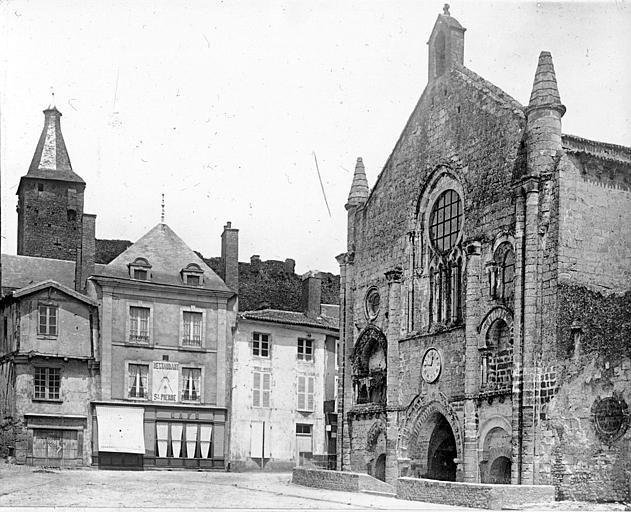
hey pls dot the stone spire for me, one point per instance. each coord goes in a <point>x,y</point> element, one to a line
<point>51,158</point>
<point>544,89</point>
<point>543,119</point>
<point>359,189</point>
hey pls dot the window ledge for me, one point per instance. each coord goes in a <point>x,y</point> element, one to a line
<point>47,336</point>
<point>303,411</point>
<point>136,399</point>
<point>191,348</point>
<point>50,400</point>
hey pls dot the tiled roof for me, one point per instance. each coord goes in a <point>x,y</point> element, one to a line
<point>291,318</point>
<point>168,255</point>
<point>21,271</point>
<point>27,290</point>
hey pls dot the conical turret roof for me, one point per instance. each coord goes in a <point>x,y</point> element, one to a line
<point>359,189</point>
<point>51,160</point>
<point>544,88</point>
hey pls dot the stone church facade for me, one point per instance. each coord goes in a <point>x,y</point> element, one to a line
<point>485,303</point>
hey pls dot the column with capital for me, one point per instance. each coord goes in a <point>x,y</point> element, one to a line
<point>394,278</point>
<point>473,273</point>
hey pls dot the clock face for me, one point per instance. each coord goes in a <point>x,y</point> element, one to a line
<point>432,363</point>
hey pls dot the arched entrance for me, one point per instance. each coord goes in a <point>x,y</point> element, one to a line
<point>380,467</point>
<point>442,452</point>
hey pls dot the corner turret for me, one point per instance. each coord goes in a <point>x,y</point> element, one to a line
<point>359,189</point>
<point>543,118</point>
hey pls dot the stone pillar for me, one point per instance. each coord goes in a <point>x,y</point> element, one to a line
<point>106,344</point>
<point>516,420</point>
<point>530,327</point>
<point>394,278</point>
<point>348,338</point>
<point>472,319</point>
<point>341,403</point>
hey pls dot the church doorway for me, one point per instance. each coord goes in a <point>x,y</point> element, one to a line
<point>380,467</point>
<point>442,452</point>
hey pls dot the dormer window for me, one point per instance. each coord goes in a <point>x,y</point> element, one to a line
<point>192,275</point>
<point>139,269</point>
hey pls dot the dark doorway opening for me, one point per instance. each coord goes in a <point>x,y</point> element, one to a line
<point>380,467</point>
<point>442,452</point>
<point>500,470</point>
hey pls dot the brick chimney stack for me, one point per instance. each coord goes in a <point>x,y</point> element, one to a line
<point>230,256</point>
<point>311,294</point>
<point>86,252</point>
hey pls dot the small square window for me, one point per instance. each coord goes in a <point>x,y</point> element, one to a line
<point>192,280</point>
<point>47,383</point>
<point>260,344</point>
<point>305,349</point>
<point>40,187</point>
<point>140,273</point>
<point>47,320</point>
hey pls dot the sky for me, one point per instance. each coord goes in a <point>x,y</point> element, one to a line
<point>221,105</point>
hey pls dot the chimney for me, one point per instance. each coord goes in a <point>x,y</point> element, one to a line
<point>230,256</point>
<point>86,252</point>
<point>311,294</point>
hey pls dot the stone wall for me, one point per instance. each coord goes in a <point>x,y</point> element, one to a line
<point>338,480</point>
<point>495,497</point>
<point>46,226</point>
<point>595,218</point>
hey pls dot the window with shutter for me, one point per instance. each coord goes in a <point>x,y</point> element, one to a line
<point>266,389</point>
<point>256,390</point>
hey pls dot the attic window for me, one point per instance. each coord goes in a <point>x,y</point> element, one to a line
<point>139,269</point>
<point>192,275</point>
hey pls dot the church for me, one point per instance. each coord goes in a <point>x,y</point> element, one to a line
<point>485,294</point>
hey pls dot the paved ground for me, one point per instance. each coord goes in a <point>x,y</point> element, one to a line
<point>163,490</point>
<point>25,488</point>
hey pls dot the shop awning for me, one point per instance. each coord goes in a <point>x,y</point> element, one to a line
<point>121,429</point>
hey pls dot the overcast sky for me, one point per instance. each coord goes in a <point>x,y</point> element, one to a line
<point>220,105</point>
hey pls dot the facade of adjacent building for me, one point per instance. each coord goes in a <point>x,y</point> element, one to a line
<point>284,385</point>
<point>166,333</point>
<point>485,294</point>
<point>48,362</point>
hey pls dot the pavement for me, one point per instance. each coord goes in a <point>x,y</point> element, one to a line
<point>24,488</point>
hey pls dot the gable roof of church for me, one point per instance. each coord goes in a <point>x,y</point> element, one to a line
<point>167,255</point>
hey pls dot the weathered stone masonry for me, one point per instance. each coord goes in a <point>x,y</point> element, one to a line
<point>499,252</point>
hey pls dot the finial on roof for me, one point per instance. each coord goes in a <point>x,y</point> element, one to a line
<point>359,189</point>
<point>162,214</point>
<point>52,99</point>
<point>544,88</point>
<point>446,10</point>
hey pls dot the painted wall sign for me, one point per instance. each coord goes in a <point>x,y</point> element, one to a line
<point>165,380</point>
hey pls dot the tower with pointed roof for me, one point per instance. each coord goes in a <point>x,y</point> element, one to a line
<point>50,197</point>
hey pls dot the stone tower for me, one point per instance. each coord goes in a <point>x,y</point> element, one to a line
<point>50,198</point>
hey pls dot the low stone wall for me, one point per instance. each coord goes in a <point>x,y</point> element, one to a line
<point>338,480</point>
<point>489,496</point>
